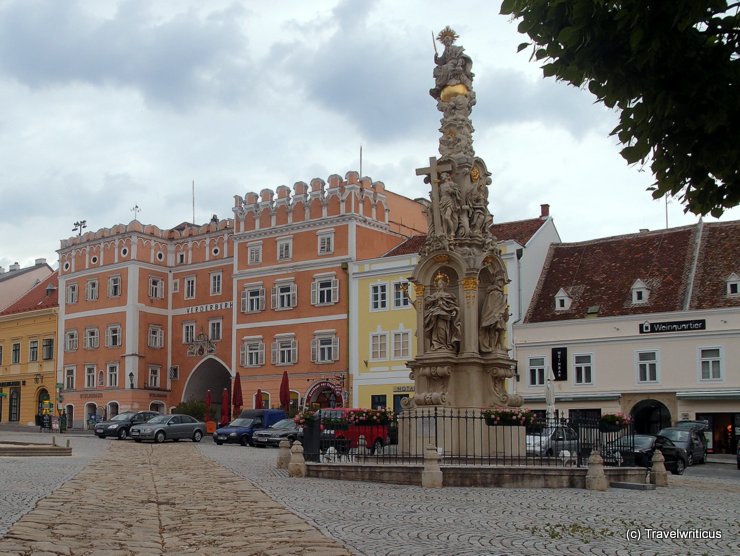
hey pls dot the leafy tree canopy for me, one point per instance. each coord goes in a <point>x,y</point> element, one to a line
<point>670,67</point>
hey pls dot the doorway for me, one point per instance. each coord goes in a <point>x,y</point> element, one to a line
<point>649,416</point>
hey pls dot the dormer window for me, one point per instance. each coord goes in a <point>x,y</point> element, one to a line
<point>562,300</point>
<point>733,285</point>
<point>640,292</point>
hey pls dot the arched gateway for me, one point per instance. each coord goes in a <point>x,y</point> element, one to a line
<point>649,416</point>
<point>210,374</point>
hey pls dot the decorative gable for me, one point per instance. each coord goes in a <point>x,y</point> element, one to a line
<point>640,292</point>
<point>562,300</point>
<point>733,285</point>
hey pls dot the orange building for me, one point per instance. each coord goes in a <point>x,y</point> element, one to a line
<point>149,318</point>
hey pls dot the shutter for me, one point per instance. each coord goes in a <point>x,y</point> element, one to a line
<point>261,356</point>
<point>243,354</point>
<point>108,337</point>
<point>293,352</point>
<point>262,298</point>
<point>334,290</point>
<point>274,353</point>
<point>314,294</point>
<point>335,348</point>
<point>314,350</point>
<point>244,301</point>
<point>293,294</point>
<point>274,297</point>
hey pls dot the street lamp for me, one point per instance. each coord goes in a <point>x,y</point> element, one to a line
<point>79,226</point>
<point>131,379</point>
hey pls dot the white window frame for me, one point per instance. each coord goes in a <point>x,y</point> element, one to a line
<point>216,283</point>
<point>113,335</point>
<point>155,336</point>
<point>92,338</point>
<point>71,340</point>
<point>253,298</point>
<point>254,254</point>
<point>284,350</point>
<point>325,242</point>
<point>719,360</point>
<point>153,377</point>
<point>285,249</point>
<point>583,372</point>
<point>379,296</point>
<point>379,346</point>
<point>324,290</point>
<point>646,364</point>
<point>733,285</point>
<point>90,373</point>
<point>91,290</point>
<point>112,375</point>
<point>640,293</point>
<point>190,285</point>
<point>114,286</point>
<point>69,378</point>
<point>156,287</point>
<point>47,350</point>
<point>71,294</point>
<point>216,329</point>
<point>176,285</point>
<point>252,352</point>
<point>325,347</point>
<point>405,338</point>
<point>536,371</point>
<point>400,299</point>
<point>562,300</point>
<point>284,296</point>
<point>188,332</point>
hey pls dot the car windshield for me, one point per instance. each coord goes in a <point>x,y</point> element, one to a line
<point>676,436</point>
<point>241,422</point>
<point>158,419</point>
<point>284,424</point>
<point>642,441</point>
<point>122,417</point>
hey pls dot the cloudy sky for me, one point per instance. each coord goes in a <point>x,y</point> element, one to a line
<point>116,104</point>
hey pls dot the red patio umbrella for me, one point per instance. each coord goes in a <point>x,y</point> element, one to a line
<point>285,392</point>
<point>225,406</point>
<point>208,405</point>
<point>236,395</point>
<point>258,399</point>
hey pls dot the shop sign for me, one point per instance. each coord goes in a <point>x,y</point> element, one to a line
<point>11,383</point>
<point>403,389</point>
<point>560,363</point>
<point>673,326</point>
<point>209,307</point>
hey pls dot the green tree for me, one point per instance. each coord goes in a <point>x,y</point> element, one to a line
<point>670,67</point>
<point>194,408</point>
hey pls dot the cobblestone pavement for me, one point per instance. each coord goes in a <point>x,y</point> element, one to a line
<point>160,499</point>
<point>376,519</point>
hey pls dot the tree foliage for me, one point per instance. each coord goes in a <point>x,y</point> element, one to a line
<point>194,408</point>
<point>670,67</point>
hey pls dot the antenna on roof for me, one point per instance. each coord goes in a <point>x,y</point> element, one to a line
<point>193,202</point>
<point>136,210</point>
<point>360,161</point>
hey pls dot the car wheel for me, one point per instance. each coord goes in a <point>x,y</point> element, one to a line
<point>137,439</point>
<point>100,435</point>
<point>159,437</point>
<point>690,461</point>
<point>244,441</point>
<point>680,467</point>
<point>122,434</point>
<point>377,448</point>
<point>197,435</point>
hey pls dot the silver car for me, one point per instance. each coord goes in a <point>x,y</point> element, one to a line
<point>552,441</point>
<point>169,427</point>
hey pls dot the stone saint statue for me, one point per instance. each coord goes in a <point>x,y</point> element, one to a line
<point>494,315</point>
<point>478,209</point>
<point>453,66</point>
<point>441,323</point>
<point>449,205</point>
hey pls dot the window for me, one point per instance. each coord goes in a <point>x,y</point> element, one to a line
<point>252,352</point>
<point>378,401</point>
<point>33,350</point>
<point>15,356</point>
<point>536,371</point>
<point>113,335</point>
<point>284,296</point>
<point>113,375</point>
<point>326,243</point>
<point>216,279</point>
<point>175,372</point>
<point>175,285</point>
<point>583,369</point>
<point>1,355</point>
<point>214,329</point>
<point>379,346</point>
<point>47,349</point>
<point>324,291</point>
<point>91,290</point>
<point>156,288</point>
<point>69,378</point>
<point>92,338</point>
<point>70,340</point>
<point>285,249</point>
<point>253,299</point>
<point>153,381</point>
<point>401,344</point>
<point>190,287</point>
<point>155,337</point>
<point>562,300</point>
<point>733,285</point>
<point>378,297</point>
<point>647,366</point>
<point>711,363</point>
<point>640,292</point>
<point>181,258</point>
<point>71,293</point>
<point>325,348</point>
<point>188,332</point>
<point>255,254</point>
<point>400,299</point>
<point>285,351</point>
<point>114,286</point>
<point>90,376</point>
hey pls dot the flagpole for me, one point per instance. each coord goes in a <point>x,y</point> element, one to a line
<point>193,201</point>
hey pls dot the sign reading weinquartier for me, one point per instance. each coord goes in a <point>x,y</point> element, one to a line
<point>560,363</point>
<point>674,326</point>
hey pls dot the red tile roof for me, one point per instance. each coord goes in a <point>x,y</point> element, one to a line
<point>719,258</point>
<point>410,246</point>
<point>600,273</point>
<point>37,297</point>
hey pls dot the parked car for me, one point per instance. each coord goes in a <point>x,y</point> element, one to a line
<point>169,427</point>
<point>240,430</point>
<point>338,431</point>
<point>690,440</point>
<point>552,441</point>
<point>639,449</point>
<point>285,429</point>
<point>120,425</point>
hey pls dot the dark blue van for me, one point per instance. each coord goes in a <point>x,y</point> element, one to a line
<point>240,430</point>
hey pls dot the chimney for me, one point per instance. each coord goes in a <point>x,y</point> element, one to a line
<point>38,262</point>
<point>644,230</point>
<point>544,210</point>
<point>14,266</point>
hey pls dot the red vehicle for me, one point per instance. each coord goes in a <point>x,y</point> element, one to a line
<point>342,427</point>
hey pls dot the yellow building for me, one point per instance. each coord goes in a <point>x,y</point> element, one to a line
<point>28,330</point>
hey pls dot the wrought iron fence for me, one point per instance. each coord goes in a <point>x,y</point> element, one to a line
<point>467,437</point>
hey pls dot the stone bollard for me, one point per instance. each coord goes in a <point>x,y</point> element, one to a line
<point>283,458</point>
<point>658,474</point>
<point>297,465</point>
<point>595,477</point>
<point>431,477</point>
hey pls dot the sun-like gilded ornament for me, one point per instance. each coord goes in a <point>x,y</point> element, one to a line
<point>447,36</point>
